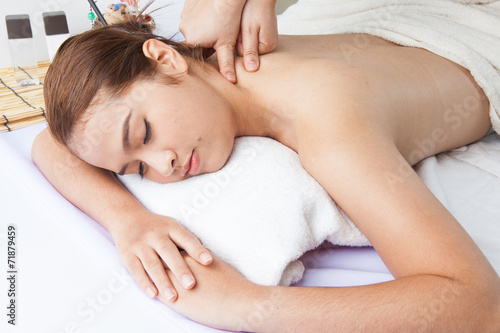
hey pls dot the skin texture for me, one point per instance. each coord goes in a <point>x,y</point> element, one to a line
<point>358,121</point>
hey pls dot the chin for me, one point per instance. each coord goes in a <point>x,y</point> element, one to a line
<point>225,156</point>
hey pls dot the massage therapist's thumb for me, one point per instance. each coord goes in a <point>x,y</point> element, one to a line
<point>225,58</point>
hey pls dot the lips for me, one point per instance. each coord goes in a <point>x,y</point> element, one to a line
<point>192,166</point>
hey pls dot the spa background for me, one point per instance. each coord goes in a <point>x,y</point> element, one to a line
<point>76,13</point>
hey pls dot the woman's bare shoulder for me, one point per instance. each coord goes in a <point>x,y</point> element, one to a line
<point>335,45</point>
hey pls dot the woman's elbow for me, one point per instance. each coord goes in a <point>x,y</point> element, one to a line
<point>46,151</point>
<point>494,322</point>
<point>37,146</point>
<point>487,296</point>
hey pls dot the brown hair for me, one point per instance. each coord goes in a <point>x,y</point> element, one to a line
<point>110,57</point>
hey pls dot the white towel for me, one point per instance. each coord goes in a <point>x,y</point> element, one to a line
<point>260,219</point>
<point>468,35</point>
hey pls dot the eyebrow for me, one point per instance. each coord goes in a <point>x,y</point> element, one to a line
<point>126,140</point>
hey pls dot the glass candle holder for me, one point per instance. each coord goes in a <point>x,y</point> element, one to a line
<point>56,31</point>
<point>22,50</point>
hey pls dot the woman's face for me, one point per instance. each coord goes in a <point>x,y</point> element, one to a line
<point>165,132</point>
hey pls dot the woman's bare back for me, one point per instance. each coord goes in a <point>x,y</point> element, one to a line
<point>359,120</point>
<point>425,102</point>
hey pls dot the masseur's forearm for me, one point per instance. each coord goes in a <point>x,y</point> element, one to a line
<point>95,191</point>
<point>413,304</point>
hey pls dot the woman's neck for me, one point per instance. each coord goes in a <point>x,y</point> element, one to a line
<point>253,114</point>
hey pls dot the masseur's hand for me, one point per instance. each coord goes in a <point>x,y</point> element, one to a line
<point>148,244</point>
<point>258,32</point>
<point>221,24</point>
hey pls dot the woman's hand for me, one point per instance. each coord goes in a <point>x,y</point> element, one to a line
<point>222,297</point>
<point>148,245</point>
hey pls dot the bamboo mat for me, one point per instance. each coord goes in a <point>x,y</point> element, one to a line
<point>21,106</point>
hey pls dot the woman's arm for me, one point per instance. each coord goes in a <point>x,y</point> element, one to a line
<point>143,239</point>
<point>224,299</point>
<point>442,278</point>
<point>443,281</point>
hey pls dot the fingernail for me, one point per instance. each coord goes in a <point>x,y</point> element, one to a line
<point>187,281</point>
<point>150,292</point>
<point>230,77</point>
<point>251,65</point>
<point>169,294</point>
<point>206,258</point>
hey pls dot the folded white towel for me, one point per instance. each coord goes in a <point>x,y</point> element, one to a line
<point>259,213</point>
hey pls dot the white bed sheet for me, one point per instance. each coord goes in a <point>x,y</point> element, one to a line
<point>70,278</point>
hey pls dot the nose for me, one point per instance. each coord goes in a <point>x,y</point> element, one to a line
<point>162,161</point>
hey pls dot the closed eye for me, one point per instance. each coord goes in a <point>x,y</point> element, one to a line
<point>141,170</point>
<point>147,137</point>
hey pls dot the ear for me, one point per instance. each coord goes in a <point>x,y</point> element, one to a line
<point>167,58</point>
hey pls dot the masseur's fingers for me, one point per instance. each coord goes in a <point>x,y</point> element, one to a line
<point>250,52</point>
<point>187,241</point>
<point>268,38</point>
<point>225,57</point>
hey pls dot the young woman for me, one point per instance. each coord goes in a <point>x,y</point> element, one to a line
<point>124,100</point>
